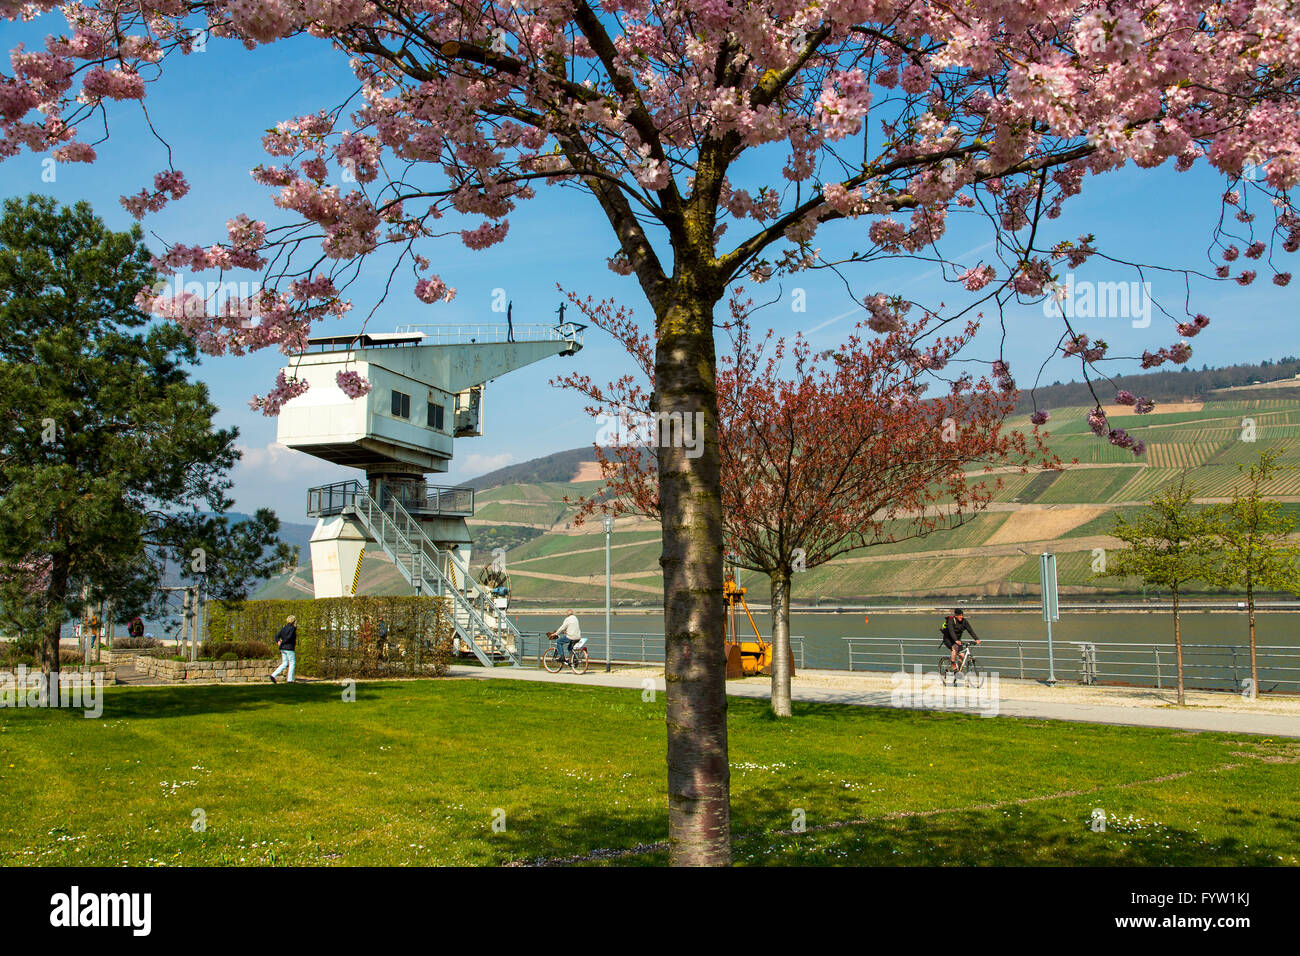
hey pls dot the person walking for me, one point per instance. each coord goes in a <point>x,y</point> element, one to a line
<point>287,640</point>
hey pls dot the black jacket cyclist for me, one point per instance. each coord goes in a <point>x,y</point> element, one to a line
<point>954,626</point>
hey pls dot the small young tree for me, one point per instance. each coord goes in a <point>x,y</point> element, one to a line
<point>25,611</point>
<point>1170,544</point>
<point>1253,537</point>
<point>821,454</point>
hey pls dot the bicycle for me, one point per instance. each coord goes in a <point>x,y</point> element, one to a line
<point>578,658</point>
<point>966,665</point>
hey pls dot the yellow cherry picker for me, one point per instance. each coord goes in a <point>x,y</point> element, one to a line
<point>746,657</point>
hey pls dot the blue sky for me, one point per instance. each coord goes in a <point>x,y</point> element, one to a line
<point>214,106</point>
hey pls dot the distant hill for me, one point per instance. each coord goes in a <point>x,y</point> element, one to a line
<point>294,535</point>
<point>528,508</point>
<point>1185,384</point>
<point>561,466</point>
<point>297,535</point>
<point>291,533</point>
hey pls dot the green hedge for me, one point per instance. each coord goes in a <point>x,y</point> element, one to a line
<point>368,636</point>
<point>240,651</point>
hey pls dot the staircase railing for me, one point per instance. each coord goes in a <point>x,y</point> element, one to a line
<point>426,567</point>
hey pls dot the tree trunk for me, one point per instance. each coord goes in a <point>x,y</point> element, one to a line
<point>699,776</point>
<point>1250,615</point>
<point>1178,649</point>
<point>55,597</point>
<point>781,704</point>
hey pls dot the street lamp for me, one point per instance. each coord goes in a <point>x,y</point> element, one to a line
<point>1051,608</point>
<point>608,522</point>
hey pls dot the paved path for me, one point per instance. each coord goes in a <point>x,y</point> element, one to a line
<point>127,675</point>
<point>1135,707</point>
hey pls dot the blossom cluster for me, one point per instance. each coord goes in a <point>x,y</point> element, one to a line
<point>1004,107</point>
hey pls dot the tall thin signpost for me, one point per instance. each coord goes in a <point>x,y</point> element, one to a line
<point>183,640</point>
<point>196,632</point>
<point>1051,607</point>
<point>609,528</point>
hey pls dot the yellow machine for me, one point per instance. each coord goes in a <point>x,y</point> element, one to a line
<point>746,657</point>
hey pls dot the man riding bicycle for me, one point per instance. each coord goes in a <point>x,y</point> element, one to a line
<point>567,635</point>
<point>954,625</point>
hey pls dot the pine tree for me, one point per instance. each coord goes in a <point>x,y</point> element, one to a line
<point>110,466</point>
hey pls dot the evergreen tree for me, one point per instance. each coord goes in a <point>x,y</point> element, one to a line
<point>110,467</point>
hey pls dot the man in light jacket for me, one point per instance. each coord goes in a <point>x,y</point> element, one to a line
<point>567,635</point>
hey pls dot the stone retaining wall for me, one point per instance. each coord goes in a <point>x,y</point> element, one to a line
<point>125,657</point>
<point>205,672</point>
<point>69,675</point>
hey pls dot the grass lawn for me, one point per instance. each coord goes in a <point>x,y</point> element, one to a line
<point>413,773</point>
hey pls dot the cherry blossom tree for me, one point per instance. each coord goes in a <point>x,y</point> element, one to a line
<point>879,117</point>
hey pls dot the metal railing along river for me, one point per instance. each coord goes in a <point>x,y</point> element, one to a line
<point>1205,666</point>
<point>1223,667</point>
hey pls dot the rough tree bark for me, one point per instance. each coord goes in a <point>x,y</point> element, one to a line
<point>780,583</point>
<point>699,776</point>
<point>58,590</point>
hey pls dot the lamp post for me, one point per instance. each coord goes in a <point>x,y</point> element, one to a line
<point>608,522</point>
<point>1051,608</point>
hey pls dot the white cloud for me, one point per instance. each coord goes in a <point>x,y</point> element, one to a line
<point>275,476</point>
<point>474,465</point>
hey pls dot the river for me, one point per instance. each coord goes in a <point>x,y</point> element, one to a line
<point>824,632</point>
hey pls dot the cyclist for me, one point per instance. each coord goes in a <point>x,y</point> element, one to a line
<point>954,625</point>
<point>567,635</point>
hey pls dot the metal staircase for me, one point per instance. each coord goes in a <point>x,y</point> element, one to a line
<point>477,621</point>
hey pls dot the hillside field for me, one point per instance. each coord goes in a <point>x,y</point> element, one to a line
<point>994,553</point>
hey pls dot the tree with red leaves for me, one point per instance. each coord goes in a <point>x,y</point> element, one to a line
<point>822,453</point>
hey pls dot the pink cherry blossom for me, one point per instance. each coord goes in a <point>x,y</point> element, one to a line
<point>113,84</point>
<point>285,390</point>
<point>977,277</point>
<point>352,384</point>
<point>433,289</point>
<point>998,110</point>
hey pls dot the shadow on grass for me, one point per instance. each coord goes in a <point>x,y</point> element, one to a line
<point>1035,837</point>
<point>149,701</point>
<point>1018,836</point>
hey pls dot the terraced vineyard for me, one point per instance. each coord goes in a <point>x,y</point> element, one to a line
<point>995,553</point>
